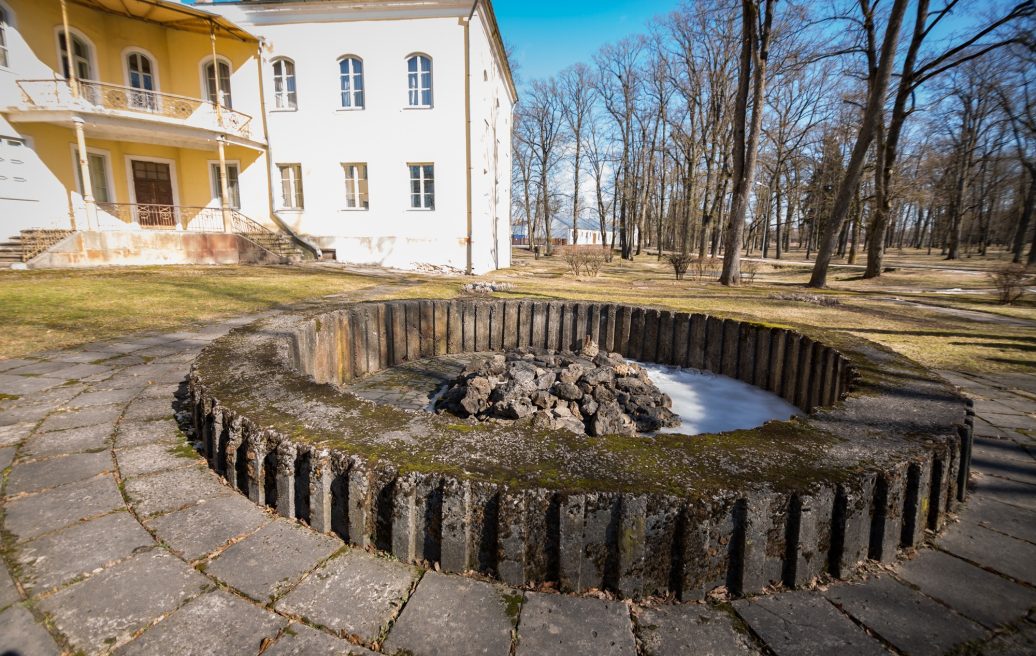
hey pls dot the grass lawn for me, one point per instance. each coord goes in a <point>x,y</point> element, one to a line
<point>53,309</point>
<point>912,310</point>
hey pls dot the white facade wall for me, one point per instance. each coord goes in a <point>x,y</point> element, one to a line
<point>387,135</point>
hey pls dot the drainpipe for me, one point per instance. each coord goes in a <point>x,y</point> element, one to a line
<point>281,223</point>
<point>224,188</point>
<point>467,130</point>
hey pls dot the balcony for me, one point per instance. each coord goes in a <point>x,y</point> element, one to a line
<point>120,216</point>
<point>100,99</point>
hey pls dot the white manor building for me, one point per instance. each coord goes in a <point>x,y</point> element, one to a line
<point>389,126</point>
<point>366,131</point>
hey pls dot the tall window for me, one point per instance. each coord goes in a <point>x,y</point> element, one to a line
<point>291,186</point>
<point>355,186</point>
<point>98,165</point>
<point>224,83</point>
<point>142,78</point>
<point>422,186</point>
<point>350,70</point>
<point>419,80</point>
<point>284,84</point>
<point>233,190</point>
<point>80,57</point>
<point>3,37</point>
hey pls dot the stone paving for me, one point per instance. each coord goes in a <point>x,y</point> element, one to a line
<point>117,539</point>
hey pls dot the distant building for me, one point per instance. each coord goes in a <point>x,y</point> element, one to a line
<point>160,132</point>
<point>389,126</point>
<point>587,232</point>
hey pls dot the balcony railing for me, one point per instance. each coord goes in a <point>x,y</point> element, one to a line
<point>115,216</point>
<point>104,97</point>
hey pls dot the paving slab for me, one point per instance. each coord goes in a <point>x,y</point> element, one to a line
<point>455,616</point>
<point>16,431</point>
<point>215,624</point>
<point>1012,421</point>
<point>202,528</point>
<point>994,448</point>
<point>803,623</point>
<point>150,408</point>
<point>27,517</point>
<point>691,630</point>
<point>72,440</point>
<point>991,550</point>
<point>58,470</point>
<point>973,592</point>
<point>76,371</point>
<point>25,414</point>
<point>150,458</point>
<point>101,414</point>
<point>37,368</point>
<point>272,560</point>
<point>14,363</point>
<point>19,385</point>
<point>22,635</point>
<point>172,490</point>
<point>300,640</point>
<point>1006,490</point>
<point>78,550</point>
<point>8,591</point>
<point>1019,640</point>
<point>7,456</point>
<point>1002,517</point>
<point>103,397</point>
<point>137,433</point>
<point>103,611</point>
<point>910,621</point>
<point>573,626</point>
<point>354,594</point>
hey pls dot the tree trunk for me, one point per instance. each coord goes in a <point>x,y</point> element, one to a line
<point>875,101</point>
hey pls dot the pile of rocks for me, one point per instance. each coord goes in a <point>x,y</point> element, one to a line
<point>483,288</point>
<point>591,392</point>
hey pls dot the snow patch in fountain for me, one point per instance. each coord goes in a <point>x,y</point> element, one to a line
<point>712,403</point>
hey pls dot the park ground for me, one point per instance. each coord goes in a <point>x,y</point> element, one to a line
<point>943,314</point>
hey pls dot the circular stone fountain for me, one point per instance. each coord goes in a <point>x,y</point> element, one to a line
<point>880,455</point>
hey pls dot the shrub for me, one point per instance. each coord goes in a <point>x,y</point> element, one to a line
<point>584,260</point>
<point>1010,282</point>
<point>680,262</point>
<point>749,269</point>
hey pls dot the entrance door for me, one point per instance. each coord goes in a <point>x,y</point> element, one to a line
<point>153,186</point>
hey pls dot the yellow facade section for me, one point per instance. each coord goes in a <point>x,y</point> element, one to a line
<point>177,54</point>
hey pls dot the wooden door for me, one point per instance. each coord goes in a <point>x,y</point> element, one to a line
<point>153,185</point>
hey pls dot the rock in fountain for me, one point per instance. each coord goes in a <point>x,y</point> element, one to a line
<point>590,391</point>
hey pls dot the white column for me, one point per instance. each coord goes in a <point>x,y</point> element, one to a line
<point>84,172</point>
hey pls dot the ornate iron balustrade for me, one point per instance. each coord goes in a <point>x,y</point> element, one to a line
<point>57,94</point>
<point>178,217</point>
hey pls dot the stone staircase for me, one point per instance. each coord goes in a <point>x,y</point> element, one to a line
<point>277,243</point>
<point>10,251</point>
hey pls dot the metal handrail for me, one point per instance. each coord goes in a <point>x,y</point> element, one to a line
<point>58,93</point>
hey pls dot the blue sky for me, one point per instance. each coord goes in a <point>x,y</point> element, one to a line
<point>549,35</point>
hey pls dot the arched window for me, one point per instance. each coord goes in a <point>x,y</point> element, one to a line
<point>284,84</point>
<point>419,80</point>
<point>211,68</point>
<point>81,57</point>
<point>350,71</point>
<point>3,37</point>
<point>140,69</point>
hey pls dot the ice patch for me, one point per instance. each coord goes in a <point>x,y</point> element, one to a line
<point>712,403</point>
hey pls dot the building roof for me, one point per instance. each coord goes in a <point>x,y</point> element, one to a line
<point>170,14</point>
<point>385,8</point>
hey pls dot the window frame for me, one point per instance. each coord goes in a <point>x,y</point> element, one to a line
<point>418,89</point>
<point>352,76</point>
<point>106,157</point>
<point>214,186</point>
<point>6,22</point>
<point>290,96</point>
<point>423,181</point>
<point>297,191</point>
<point>354,186</point>
<point>91,53</point>
<point>228,90</point>
<point>150,97</point>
